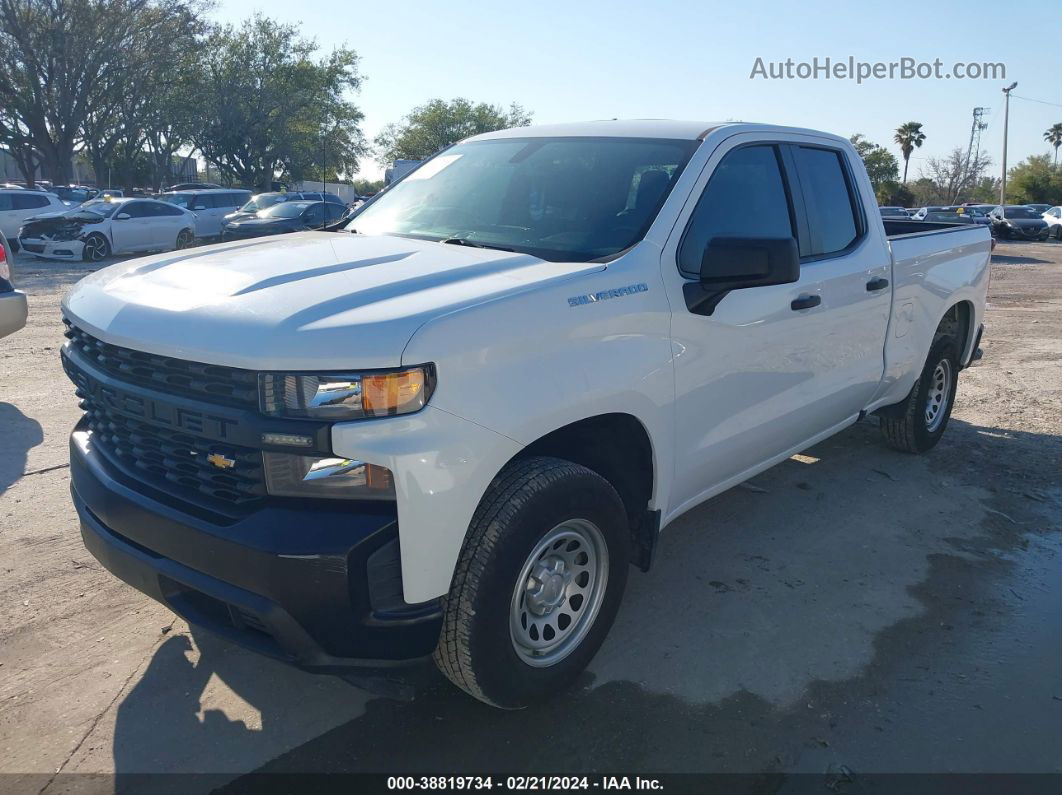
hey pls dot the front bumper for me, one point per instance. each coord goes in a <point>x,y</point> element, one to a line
<point>13,312</point>
<point>52,249</point>
<point>318,586</point>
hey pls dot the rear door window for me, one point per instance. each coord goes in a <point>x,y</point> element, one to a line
<point>28,201</point>
<point>830,199</point>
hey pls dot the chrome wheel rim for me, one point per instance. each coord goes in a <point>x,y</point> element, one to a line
<point>937,399</point>
<point>558,593</point>
<point>95,247</point>
<point>183,240</point>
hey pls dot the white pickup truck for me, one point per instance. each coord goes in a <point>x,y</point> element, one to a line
<point>449,429</point>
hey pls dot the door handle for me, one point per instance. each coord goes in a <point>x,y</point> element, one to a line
<point>806,302</point>
<point>877,284</point>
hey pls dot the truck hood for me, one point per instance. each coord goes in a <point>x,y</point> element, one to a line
<point>310,300</point>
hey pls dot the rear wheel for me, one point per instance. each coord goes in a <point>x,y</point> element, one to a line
<point>184,239</point>
<point>917,424</point>
<point>537,585</point>
<point>96,248</point>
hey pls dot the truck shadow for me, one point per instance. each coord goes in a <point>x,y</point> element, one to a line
<point>803,595</point>
<point>19,434</point>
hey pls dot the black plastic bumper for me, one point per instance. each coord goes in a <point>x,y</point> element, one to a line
<point>318,586</point>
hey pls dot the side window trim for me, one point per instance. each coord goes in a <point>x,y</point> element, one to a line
<point>797,218</point>
<point>854,199</point>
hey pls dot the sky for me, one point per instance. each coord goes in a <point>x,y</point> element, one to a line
<point>590,59</point>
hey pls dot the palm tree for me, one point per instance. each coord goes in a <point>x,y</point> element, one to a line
<point>1054,137</point>
<point>908,136</point>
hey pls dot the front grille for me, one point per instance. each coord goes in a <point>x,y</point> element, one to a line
<point>227,386</point>
<point>34,248</point>
<point>173,460</point>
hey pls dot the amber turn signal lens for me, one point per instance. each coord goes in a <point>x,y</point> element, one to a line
<point>392,393</point>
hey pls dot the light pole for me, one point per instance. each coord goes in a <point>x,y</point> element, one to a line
<point>1006,119</point>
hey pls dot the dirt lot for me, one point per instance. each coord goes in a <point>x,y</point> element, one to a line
<point>857,608</point>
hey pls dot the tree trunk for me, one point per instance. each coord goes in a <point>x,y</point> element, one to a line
<point>906,161</point>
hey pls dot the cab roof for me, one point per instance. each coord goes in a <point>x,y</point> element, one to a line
<point>641,128</point>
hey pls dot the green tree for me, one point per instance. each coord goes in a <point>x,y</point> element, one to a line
<point>908,136</point>
<point>267,108</point>
<point>438,124</point>
<point>1053,136</point>
<point>1035,179</point>
<point>880,163</point>
<point>893,194</point>
<point>60,61</point>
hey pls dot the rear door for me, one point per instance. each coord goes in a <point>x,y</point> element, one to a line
<point>773,367</point>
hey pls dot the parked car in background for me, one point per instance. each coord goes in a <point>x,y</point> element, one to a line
<point>192,186</point>
<point>1040,208</point>
<point>18,204</point>
<point>1018,221</point>
<point>288,216</point>
<point>949,217</point>
<point>1053,219</point>
<point>101,227</point>
<point>893,212</point>
<point>978,213</point>
<point>263,201</point>
<point>12,302</point>
<point>75,194</point>
<point>210,206</point>
<point>12,186</point>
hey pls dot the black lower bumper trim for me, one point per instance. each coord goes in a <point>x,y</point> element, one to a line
<point>293,581</point>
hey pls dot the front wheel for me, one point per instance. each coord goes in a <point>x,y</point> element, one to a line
<point>538,583</point>
<point>917,424</point>
<point>96,248</point>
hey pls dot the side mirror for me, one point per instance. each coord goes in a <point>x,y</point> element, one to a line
<point>737,263</point>
<point>122,217</point>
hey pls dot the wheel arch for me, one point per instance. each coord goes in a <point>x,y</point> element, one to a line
<point>617,446</point>
<point>958,323</point>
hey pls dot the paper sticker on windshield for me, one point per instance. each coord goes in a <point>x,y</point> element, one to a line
<point>429,170</point>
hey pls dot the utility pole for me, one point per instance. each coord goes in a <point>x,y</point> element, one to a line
<point>1006,120</point>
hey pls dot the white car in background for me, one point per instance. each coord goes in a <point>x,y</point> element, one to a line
<point>101,227</point>
<point>18,204</point>
<point>209,205</point>
<point>1054,222</point>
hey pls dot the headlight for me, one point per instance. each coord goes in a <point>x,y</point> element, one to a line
<point>347,396</point>
<point>336,478</point>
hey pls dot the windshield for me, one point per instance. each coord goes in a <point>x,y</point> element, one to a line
<point>180,199</point>
<point>97,207</point>
<point>285,210</point>
<point>262,201</point>
<point>574,199</point>
<point>1021,212</point>
<point>892,211</point>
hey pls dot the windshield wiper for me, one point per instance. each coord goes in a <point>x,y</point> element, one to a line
<point>464,241</point>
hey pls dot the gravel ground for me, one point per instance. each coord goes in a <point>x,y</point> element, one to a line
<point>857,608</point>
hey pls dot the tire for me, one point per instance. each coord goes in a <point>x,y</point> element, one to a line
<point>490,625</point>
<point>96,248</point>
<point>914,426</point>
<point>185,238</point>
